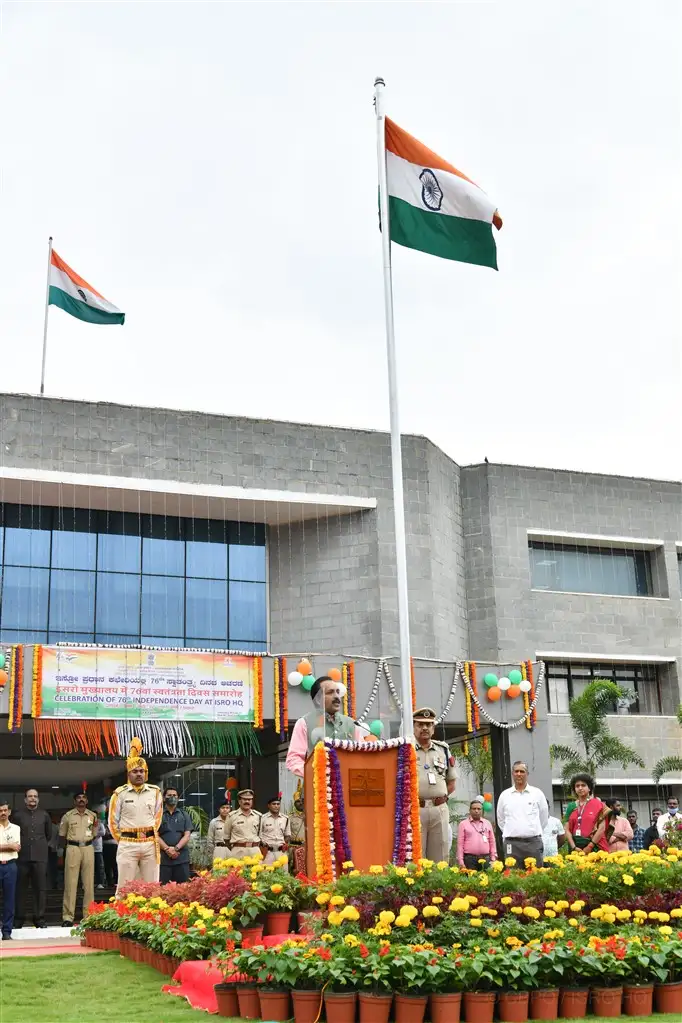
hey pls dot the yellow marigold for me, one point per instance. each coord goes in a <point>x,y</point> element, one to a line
<point>430,911</point>
<point>459,905</point>
<point>400,871</point>
<point>573,922</point>
<point>550,913</point>
<point>472,899</point>
<point>663,917</point>
<point>402,921</point>
<point>510,861</point>
<point>276,888</point>
<point>348,865</point>
<point>437,899</point>
<point>603,878</point>
<point>493,932</point>
<point>475,923</point>
<point>475,912</point>
<point>575,907</point>
<point>337,900</point>
<point>498,866</point>
<point>376,868</point>
<point>517,910</point>
<point>532,912</point>
<point>597,914</point>
<point>350,913</point>
<point>665,931</point>
<point>512,941</point>
<point>409,911</point>
<point>354,873</point>
<point>409,880</point>
<point>327,938</point>
<point>628,879</point>
<point>322,899</point>
<point>351,941</point>
<point>334,918</point>
<point>506,900</point>
<point>442,864</point>
<point>676,913</point>
<point>623,914</point>
<point>386,916</point>
<point>426,864</point>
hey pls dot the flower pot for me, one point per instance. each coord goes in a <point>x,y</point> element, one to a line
<point>410,1008</point>
<point>375,1008</point>
<point>226,997</point>
<point>445,1008</point>
<point>115,941</point>
<point>249,1002</point>
<point>340,1006</point>
<point>638,999</point>
<point>278,923</point>
<point>573,1002</point>
<point>83,942</point>
<point>668,997</point>
<point>479,1006</point>
<point>87,938</point>
<point>274,1005</point>
<point>607,1001</point>
<point>251,935</point>
<point>306,1006</point>
<point>544,1004</point>
<point>512,1006</point>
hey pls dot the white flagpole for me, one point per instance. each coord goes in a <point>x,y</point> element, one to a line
<point>396,450</point>
<point>47,309</point>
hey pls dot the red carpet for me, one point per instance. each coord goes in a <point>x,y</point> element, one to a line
<point>9,951</point>
<point>195,980</point>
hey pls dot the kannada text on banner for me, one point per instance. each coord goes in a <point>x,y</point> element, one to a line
<point>161,685</point>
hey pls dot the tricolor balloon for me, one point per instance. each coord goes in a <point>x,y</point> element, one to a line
<point>295,678</point>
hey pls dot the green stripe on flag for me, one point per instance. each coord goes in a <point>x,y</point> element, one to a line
<point>81,310</point>
<point>467,241</point>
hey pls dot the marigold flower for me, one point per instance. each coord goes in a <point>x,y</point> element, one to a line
<point>337,900</point>
<point>276,888</point>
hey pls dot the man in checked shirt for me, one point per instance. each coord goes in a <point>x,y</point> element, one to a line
<point>135,813</point>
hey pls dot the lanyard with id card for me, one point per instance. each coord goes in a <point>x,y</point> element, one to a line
<point>430,774</point>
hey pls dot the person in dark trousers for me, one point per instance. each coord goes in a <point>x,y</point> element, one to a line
<point>109,849</point>
<point>174,835</point>
<point>36,833</point>
<point>651,833</point>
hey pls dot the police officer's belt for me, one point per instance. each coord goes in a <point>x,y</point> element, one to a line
<point>221,843</point>
<point>244,845</point>
<point>69,842</point>
<point>296,841</point>
<point>140,833</point>
<point>272,848</point>
<point>436,801</point>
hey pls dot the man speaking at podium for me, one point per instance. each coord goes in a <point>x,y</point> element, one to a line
<point>436,774</point>
<point>325,721</point>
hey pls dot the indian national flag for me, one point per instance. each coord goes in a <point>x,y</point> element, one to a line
<point>435,208</point>
<point>75,296</point>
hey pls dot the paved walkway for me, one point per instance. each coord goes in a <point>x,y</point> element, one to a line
<point>42,941</point>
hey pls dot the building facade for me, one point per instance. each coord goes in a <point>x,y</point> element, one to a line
<point>136,525</point>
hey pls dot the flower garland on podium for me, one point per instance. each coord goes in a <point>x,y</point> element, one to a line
<point>16,688</point>
<point>331,840</point>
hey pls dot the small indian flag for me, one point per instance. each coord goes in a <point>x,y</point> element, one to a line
<point>75,296</point>
<point>435,208</point>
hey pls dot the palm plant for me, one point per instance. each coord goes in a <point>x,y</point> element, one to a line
<point>199,819</point>
<point>667,764</point>
<point>596,746</point>
<point>476,762</point>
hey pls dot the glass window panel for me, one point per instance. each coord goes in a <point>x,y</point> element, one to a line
<point>247,563</point>
<point>558,695</point>
<point>207,608</point>
<point>104,637</point>
<point>118,553</point>
<point>163,606</point>
<point>206,560</point>
<point>70,637</point>
<point>211,644</point>
<point>247,611</point>
<point>24,598</point>
<point>590,570</point>
<point>163,557</point>
<point>22,636</point>
<point>118,603</point>
<point>257,648</point>
<point>162,641</point>
<point>27,547</point>
<point>73,550</point>
<point>72,601</point>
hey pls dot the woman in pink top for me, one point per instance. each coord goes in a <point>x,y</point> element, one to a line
<point>614,830</point>
<point>475,839</point>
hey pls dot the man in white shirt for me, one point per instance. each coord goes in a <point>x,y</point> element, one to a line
<point>554,830</point>
<point>10,844</point>
<point>673,814</point>
<point>522,815</point>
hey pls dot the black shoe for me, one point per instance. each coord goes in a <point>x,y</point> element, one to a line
<point>41,924</point>
<point>7,937</point>
<point>67,923</point>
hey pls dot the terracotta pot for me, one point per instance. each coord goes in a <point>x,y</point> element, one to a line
<point>668,997</point>
<point>410,1008</point>
<point>175,965</point>
<point>115,940</point>
<point>249,1002</point>
<point>375,1008</point>
<point>87,939</point>
<point>512,1006</point>
<point>340,1006</point>
<point>274,1005</point>
<point>251,935</point>
<point>278,923</point>
<point>306,1006</point>
<point>544,1004</point>
<point>607,1001</point>
<point>226,997</point>
<point>479,1006</point>
<point>573,1002</point>
<point>446,1008</point>
<point>638,999</point>
<point>83,942</point>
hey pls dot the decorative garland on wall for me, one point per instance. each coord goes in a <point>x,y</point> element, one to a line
<point>350,698</point>
<point>258,692</point>
<point>508,725</point>
<point>160,738</point>
<point>16,688</point>
<point>325,855</point>
<point>456,675</point>
<point>281,692</point>
<point>37,688</point>
<point>413,684</point>
<point>71,735</point>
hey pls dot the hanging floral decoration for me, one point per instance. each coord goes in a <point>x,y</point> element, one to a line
<point>72,735</point>
<point>258,692</point>
<point>16,688</point>
<point>37,689</point>
<point>350,708</point>
<point>467,700</point>
<point>474,690</point>
<point>407,828</point>
<point>534,691</point>
<point>529,700</point>
<point>324,839</point>
<point>281,697</point>
<point>413,684</point>
<point>337,810</point>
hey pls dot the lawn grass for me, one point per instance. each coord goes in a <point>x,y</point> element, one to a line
<point>105,988</point>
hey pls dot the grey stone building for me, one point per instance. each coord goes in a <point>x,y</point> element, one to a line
<point>505,563</point>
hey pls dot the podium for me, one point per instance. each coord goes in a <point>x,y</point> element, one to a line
<point>368,780</point>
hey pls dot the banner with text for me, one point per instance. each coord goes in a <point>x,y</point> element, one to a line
<point>156,685</point>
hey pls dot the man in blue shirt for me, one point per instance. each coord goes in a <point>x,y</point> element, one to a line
<point>174,835</point>
<point>637,843</point>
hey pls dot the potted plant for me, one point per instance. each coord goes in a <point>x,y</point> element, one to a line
<point>645,964</point>
<point>375,994</point>
<point>544,991</point>
<point>446,994</point>
<point>481,976</point>
<point>412,974</point>
<point>668,994</point>
<point>518,972</point>
<point>340,993</point>
<point>278,902</point>
<point>247,963</point>
<point>604,969</point>
<point>249,914</point>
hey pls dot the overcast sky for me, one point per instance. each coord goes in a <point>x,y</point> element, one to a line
<point>211,169</point>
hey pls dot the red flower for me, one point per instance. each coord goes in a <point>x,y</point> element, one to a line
<point>325,953</point>
<point>384,951</point>
<point>364,951</point>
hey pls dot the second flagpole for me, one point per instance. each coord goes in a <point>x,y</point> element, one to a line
<point>47,310</point>
<point>396,448</point>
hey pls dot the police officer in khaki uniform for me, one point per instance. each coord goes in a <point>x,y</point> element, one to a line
<point>436,775</point>
<point>215,840</point>
<point>297,830</point>
<point>135,813</point>
<point>275,832</point>
<point>77,830</point>
<point>242,828</point>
